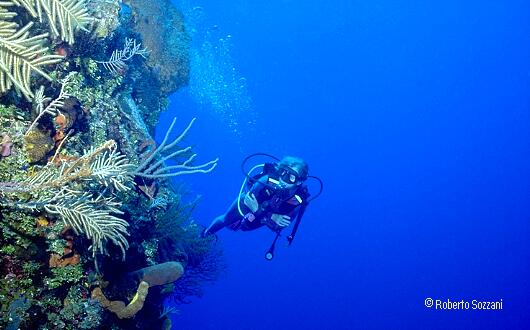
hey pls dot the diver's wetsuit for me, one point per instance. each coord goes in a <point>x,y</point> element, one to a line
<point>284,203</point>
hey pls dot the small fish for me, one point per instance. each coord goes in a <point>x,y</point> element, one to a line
<point>42,221</point>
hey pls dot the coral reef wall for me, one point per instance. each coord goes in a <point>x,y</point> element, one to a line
<point>94,234</point>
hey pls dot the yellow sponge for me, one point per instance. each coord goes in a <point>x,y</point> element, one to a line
<point>118,307</point>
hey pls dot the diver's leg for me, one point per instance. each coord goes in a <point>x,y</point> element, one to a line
<point>231,217</point>
<point>248,226</point>
<point>216,225</point>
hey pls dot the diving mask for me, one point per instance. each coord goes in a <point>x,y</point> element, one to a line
<point>288,175</point>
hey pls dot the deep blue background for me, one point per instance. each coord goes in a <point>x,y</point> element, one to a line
<point>416,116</point>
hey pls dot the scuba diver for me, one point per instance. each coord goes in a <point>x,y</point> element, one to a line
<point>274,198</point>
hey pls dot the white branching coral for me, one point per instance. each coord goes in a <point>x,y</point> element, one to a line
<point>154,166</point>
<point>103,164</point>
<point>64,17</point>
<point>93,217</point>
<point>116,63</point>
<point>21,54</point>
<point>92,212</point>
<point>53,108</point>
<point>82,191</point>
<point>112,169</point>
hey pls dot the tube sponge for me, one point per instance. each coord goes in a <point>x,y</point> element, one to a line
<point>160,274</point>
<point>118,307</point>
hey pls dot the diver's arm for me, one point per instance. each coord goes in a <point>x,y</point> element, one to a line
<point>258,184</point>
<point>281,220</point>
<point>251,200</point>
<point>284,220</point>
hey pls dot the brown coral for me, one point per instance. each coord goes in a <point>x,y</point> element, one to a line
<point>163,32</point>
<point>56,261</point>
<point>69,257</point>
<point>70,113</point>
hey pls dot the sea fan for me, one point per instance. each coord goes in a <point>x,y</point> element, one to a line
<point>20,55</point>
<point>93,218</point>
<point>64,16</point>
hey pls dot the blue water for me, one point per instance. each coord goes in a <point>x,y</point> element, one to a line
<point>417,117</point>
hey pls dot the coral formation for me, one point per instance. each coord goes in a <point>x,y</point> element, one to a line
<point>5,145</point>
<point>38,144</point>
<point>105,16</point>
<point>64,17</point>
<point>163,32</point>
<point>86,201</point>
<point>22,54</point>
<point>116,64</point>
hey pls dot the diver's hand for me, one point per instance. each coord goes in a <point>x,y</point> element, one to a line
<point>281,220</point>
<point>251,202</point>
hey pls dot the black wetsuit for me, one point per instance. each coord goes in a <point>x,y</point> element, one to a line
<point>279,201</point>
